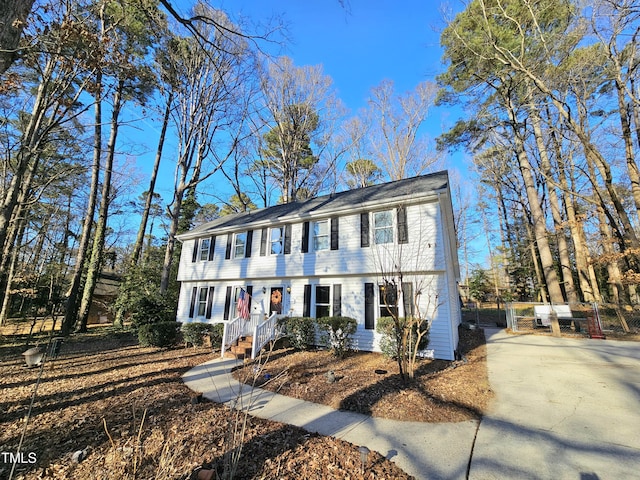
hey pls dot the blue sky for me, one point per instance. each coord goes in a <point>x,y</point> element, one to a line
<point>362,43</point>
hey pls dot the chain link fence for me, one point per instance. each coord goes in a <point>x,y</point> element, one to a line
<point>574,318</point>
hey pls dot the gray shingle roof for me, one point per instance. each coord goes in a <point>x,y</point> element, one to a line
<point>360,198</point>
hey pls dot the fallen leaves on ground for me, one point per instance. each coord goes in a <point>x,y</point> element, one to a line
<point>369,383</point>
<point>125,410</point>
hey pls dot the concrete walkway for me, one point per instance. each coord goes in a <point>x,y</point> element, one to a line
<point>564,409</point>
<point>442,449</point>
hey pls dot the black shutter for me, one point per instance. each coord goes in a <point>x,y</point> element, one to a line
<point>247,250</point>
<point>337,300</point>
<point>287,239</point>
<point>227,254</point>
<point>212,247</point>
<point>250,292</point>
<point>305,237</point>
<point>306,306</point>
<point>263,242</point>
<point>407,298</point>
<point>194,254</point>
<point>403,230</point>
<point>227,303</point>
<point>369,306</point>
<point>334,233</point>
<point>192,307</point>
<point>210,302</point>
<point>364,229</point>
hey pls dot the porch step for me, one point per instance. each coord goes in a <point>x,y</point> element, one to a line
<point>241,349</point>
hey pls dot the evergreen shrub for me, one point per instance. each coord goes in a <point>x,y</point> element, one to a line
<point>195,333</point>
<point>159,334</point>
<point>300,331</point>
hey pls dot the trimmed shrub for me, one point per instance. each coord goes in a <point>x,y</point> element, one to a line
<point>215,335</point>
<point>336,333</point>
<point>160,334</point>
<point>195,333</point>
<point>300,331</point>
<point>389,339</point>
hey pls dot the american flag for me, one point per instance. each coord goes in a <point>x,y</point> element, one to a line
<point>243,305</point>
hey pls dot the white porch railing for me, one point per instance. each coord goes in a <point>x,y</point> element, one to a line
<point>236,328</point>
<point>263,333</point>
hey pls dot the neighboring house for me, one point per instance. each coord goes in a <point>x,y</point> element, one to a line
<point>105,294</point>
<point>338,254</point>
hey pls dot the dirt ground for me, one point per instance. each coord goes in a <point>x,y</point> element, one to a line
<point>124,411</point>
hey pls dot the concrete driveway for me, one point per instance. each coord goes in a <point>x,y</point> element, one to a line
<point>564,409</point>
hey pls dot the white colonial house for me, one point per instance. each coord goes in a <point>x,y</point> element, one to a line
<point>352,253</point>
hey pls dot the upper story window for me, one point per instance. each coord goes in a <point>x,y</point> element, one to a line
<point>277,241</point>
<point>383,227</point>
<point>205,245</point>
<point>240,245</point>
<point>321,235</point>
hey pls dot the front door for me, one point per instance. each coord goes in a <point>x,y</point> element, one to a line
<point>275,300</point>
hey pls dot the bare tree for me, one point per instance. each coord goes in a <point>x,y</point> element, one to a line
<point>396,144</point>
<point>300,109</point>
<point>210,110</point>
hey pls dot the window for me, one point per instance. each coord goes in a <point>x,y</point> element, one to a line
<point>383,227</point>
<point>322,301</point>
<point>202,301</point>
<point>205,244</point>
<point>321,235</point>
<point>240,245</point>
<point>388,300</point>
<point>277,237</point>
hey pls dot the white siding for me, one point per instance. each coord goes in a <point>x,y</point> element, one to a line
<point>424,252</point>
<point>423,260</point>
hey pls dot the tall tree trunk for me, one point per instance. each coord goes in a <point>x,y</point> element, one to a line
<point>588,286</point>
<point>95,263</point>
<point>72,295</point>
<point>492,262</point>
<point>587,283</point>
<point>176,210</point>
<point>13,18</point>
<point>24,158</point>
<point>593,155</point>
<point>537,215</point>
<point>535,260</point>
<point>171,242</point>
<point>566,271</point>
<point>635,112</point>
<point>11,267</point>
<point>632,167</point>
<point>15,225</point>
<point>616,290</point>
<point>137,248</point>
